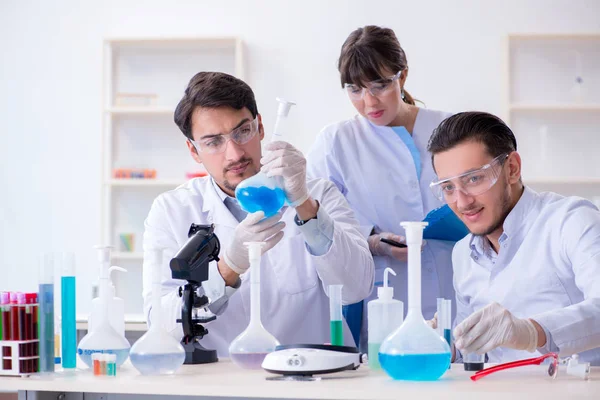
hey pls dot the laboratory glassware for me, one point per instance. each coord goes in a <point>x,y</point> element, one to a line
<point>157,352</point>
<point>46,313</point>
<point>260,192</point>
<point>336,325</point>
<point>250,348</point>
<point>103,338</point>
<point>385,314</point>
<point>414,351</point>
<point>69,330</point>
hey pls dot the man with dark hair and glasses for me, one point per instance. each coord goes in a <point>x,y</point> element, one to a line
<point>527,278</point>
<point>309,245</point>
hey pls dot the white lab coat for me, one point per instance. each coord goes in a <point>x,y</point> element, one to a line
<point>375,171</point>
<point>294,305</point>
<point>547,269</point>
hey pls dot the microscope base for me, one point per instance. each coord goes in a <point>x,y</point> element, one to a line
<point>196,354</point>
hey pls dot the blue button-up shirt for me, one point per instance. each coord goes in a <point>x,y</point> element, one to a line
<point>547,269</point>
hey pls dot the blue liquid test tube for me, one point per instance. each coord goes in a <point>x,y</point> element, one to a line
<point>69,331</point>
<point>46,313</point>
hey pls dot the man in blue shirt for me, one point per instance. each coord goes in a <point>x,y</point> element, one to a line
<point>527,278</point>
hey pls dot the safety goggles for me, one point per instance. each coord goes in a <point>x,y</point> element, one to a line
<point>470,183</point>
<point>376,88</point>
<point>213,144</point>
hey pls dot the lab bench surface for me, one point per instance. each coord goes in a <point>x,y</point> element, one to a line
<point>224,380</point>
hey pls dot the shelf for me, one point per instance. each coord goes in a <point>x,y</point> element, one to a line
<point>145,182</point>
<point>150,110</point>
<point>133,322</point>
<point>555,107</point>
<point>123,255</point>
<point>563,181</point>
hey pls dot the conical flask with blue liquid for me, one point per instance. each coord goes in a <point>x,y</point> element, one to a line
<point>260,192</point>
<point>414,351</point>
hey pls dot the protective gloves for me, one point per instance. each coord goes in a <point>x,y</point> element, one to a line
<point>283,159</point>
<point>378,248</point>
<point>252,229</point>
<point>494,326</point>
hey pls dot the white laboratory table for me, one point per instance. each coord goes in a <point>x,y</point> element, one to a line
<point>224,380</point>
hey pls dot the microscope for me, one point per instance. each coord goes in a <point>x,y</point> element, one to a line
<point>191,264</point>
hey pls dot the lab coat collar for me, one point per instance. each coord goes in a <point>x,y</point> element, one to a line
<point>215,206</point>
<point>515,227</point>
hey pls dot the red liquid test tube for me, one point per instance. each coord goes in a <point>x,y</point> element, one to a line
<point>6,328</point>
<point>14,317</point>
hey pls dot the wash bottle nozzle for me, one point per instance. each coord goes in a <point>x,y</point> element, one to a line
<point>386,292</point>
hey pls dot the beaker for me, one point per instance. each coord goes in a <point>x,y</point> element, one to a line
<point>260,192</point>
<point>157,352</point>
<point>336,326</point>
<point>250,348</point>
<point>414,351</point>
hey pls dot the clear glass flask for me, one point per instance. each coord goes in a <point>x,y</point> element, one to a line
<point>250,348</point>
<point>157,352</point>
<point>102,337</point>
<point>414,351</point>
<point>260,192</point>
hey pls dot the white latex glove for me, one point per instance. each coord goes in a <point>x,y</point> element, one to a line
<point>378,248</point>
<point>494,326</point>
<point>432,323</point>
<point>283,159</point>
<point>252,229</point>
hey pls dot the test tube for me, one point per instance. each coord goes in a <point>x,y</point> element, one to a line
<point>69,330</point>
<point>46,313</point>
<point>6,330</point>
<point>440,316</point>
<point>335,314</point>
<point>447,305</point>
<point>14,316</point>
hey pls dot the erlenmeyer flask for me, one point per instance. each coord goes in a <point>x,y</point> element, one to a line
<point>250,348</point>
<point>259,192</point>
<point>414,351</point>
<point>157,352</point>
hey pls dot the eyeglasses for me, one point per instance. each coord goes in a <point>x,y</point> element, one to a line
<point>552,368</point>
<point>376,88</point>
<point>218,143</point>
<point>470,183</point>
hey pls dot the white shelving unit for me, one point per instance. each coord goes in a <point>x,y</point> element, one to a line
<point>553,106</point>
<point>154,73</point>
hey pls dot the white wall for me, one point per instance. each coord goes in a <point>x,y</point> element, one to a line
<point>51,71</point>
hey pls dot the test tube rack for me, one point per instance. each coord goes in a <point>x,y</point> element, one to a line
<point>19,357</point>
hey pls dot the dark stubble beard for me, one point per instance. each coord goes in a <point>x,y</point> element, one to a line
<point>505,201</point>
<point>230,186</point>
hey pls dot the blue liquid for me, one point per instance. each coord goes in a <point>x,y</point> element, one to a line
<point>253,199</point>
<point>448,337</point>
<point>46,326</point>
<point>69,332</point>
<point>415,367</point>
<point>86,355</point>
<point>157,364</point>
